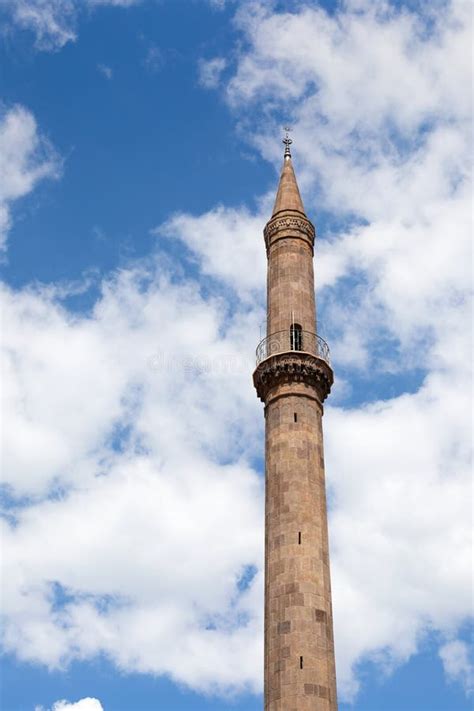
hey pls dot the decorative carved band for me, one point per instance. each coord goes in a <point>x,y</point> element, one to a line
<point>294,367</point>
<point>292,222</point>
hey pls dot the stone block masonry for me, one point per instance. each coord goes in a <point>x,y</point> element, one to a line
<point>293,381</point>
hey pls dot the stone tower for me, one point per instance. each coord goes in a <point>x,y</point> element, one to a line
<point>293,378</point>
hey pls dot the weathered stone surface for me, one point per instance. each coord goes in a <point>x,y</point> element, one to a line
<point>299,647</point>
<point>289,223</point>
<point>288,194</point>
<point>292,368</point>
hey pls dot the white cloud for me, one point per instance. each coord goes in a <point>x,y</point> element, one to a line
<point>391,158</point>
<point>87,704</point>
<point>148,450</point>
<point>458,664</point>
<point>225,241</point>
<point>210,71</point>
<point>53,22</point>
<point>403,471</point>
<point>381,124</point>
<point>114,3</point>
<point>162,498</point>
<point>400,525</point>
<point>151,471</point>
<point>219,4</point>
<point>26,158</point>
<point>46,345</point>
<point>398,76</point>
<point>105,70</point>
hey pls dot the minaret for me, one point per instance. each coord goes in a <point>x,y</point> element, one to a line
<point>293,378</point>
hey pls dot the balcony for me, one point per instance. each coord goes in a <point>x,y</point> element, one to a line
<point>293,340</point>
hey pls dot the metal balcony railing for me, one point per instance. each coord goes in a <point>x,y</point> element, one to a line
<point>289,340</point>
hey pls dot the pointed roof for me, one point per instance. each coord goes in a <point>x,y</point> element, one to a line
<point>288,195</point>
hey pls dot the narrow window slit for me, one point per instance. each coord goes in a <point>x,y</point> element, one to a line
<point>299,538</point>
<point>295,416</point>
<point>296,337</point>
<point>301,662</point>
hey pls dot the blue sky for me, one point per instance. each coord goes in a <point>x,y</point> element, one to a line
<point>139,154</point>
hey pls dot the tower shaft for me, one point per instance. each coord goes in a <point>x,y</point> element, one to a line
<point>292,378</point>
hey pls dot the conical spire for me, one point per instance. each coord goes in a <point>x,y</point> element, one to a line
<point>288,195</point>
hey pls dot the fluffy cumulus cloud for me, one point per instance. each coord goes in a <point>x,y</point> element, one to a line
<point>26,157</point>
<point>211,239</point>
<point>87,704</point>
<point>143,431</point>
<point>457,661</point>
<point>400,526</point>
<point>161,453</point>
<point>123,489</point>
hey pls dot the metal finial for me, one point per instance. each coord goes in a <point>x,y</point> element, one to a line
<point>287,141</point>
